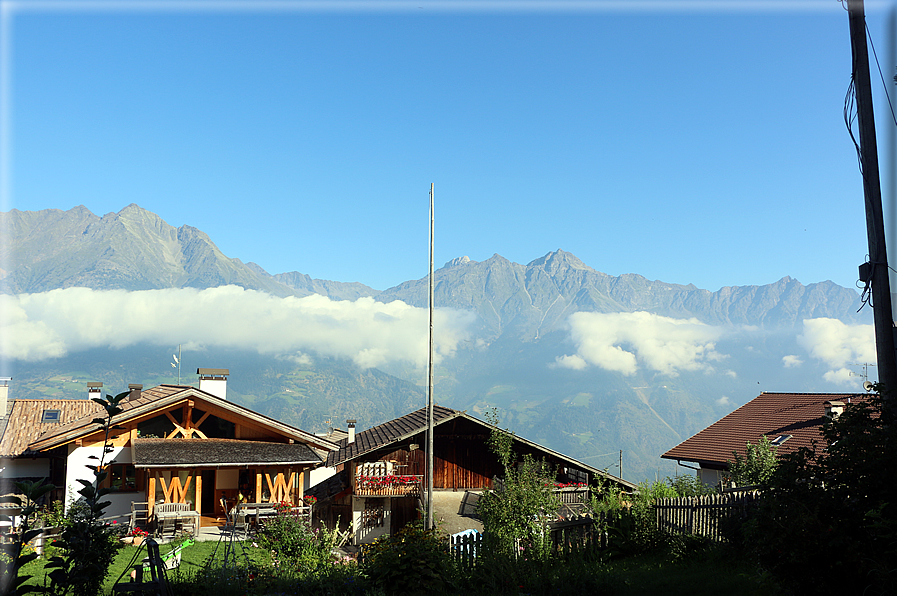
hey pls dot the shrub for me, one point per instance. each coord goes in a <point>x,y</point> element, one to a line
<point>517,512</point>
<point>293,543</point>
<point>757,465</point>
<point>827,522</point>
<point>413,561</point>
<point>87,544</point>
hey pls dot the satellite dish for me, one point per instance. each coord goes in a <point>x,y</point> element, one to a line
<point>868,385</point>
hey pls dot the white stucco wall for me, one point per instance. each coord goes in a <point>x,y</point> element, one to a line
<point>365,535</point>
<point>76,467</point>
<point>313,477</point>
<point>710,477</point>
<point>22,468</point>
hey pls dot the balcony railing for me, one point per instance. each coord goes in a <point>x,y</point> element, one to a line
<point>387,485</point>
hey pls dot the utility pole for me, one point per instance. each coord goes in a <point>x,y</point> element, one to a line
<point>430,458</point>
<point>875,227</point>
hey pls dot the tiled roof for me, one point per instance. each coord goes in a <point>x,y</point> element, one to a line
<point>25,426</point>
<point>162,396</point>
<point>167,453</point>
<point>388,432</point>
<point>772,414</point>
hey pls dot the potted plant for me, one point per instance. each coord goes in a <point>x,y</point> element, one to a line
<point>137,536</point>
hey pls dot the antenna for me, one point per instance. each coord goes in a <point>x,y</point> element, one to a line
<point>868,386</point>
<point>177,363</point>
<point>864,374</point>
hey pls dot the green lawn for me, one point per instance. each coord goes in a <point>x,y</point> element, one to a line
<point>711,574</point>
<point>193,558</point>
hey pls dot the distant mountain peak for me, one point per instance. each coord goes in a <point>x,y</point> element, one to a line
<point>557,259</point>
<point>465,260</point>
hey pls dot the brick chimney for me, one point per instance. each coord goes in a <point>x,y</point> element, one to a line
<point>351,424</point>
<point>214,381</point>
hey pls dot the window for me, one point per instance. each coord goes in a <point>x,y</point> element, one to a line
<point>49,416</point>
<point>122,477</point>
<point>780,439</point>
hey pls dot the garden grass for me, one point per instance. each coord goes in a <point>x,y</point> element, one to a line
<point>636,575</point>
<point>193,558</point>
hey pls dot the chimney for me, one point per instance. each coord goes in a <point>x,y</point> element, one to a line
<point>214,381</point>
<point>94,390</point>
<point>4,395</point>
<point>351,424</point>
<point>136,389</point>
<point>833,409</point>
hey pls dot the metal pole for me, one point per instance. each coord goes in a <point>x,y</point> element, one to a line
<point>430,458</point>
<point>875,227</point>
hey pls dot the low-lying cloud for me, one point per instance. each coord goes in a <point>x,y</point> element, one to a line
<point>623,342</point>
<point>838,344</point>
<point>370,333</point>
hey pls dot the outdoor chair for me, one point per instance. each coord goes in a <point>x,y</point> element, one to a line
<point>157,584</point>
<point>169,527</point>
<point>237,523</point>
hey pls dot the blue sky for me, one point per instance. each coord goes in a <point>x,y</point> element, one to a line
<point>690,146</point>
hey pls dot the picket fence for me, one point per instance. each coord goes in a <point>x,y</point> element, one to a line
<point>704,516</point>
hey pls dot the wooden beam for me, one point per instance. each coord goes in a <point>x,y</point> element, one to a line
<point>258,487</point>
<point>198,504</point>
<point>151,492</point>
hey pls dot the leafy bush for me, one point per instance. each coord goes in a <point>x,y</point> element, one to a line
<point>413,561</point>
<point>516,513</point>
<point>292,542</point>
<point>757,465</point>
<point>88,546</point>
<point>827,523</point>
<point>689,486</point>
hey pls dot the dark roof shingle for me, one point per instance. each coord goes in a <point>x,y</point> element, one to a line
<point>150,453</point>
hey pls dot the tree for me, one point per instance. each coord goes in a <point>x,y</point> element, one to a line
<point>827,522</point>
<point>757,466</point>
<point>86,541</point>
<point>516,513</point>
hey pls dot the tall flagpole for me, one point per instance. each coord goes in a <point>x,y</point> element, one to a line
<point>430,382</point>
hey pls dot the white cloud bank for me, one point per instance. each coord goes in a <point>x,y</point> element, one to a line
<point>837,345</point>
<point>370,333</point>
<point>658,343</point>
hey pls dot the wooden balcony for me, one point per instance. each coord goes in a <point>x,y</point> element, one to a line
<point>388,485</point>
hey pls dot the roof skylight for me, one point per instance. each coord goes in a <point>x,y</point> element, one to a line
<point>49,416</point>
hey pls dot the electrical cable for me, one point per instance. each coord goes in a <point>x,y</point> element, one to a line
<point>880,74</point>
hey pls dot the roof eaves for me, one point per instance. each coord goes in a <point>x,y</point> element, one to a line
<point>89,426</point>
<point>560,455</point>
<point>407,434</point>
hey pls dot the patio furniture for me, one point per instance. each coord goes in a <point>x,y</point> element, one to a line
<point>157,583</point>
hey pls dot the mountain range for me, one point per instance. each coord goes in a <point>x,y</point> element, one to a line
<point>530,350</point>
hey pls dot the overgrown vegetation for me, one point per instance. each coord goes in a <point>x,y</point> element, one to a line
<point>87,544</point>
<point>518,556</point>
<point>757,466</point>
<point>517,512</point>
<point>827,523</point>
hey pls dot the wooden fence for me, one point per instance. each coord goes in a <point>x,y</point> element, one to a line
<point>567,537</point>
<point>704,515</point>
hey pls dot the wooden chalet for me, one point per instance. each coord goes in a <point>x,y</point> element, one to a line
<point>171,444</point>
<point>379,474</point>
